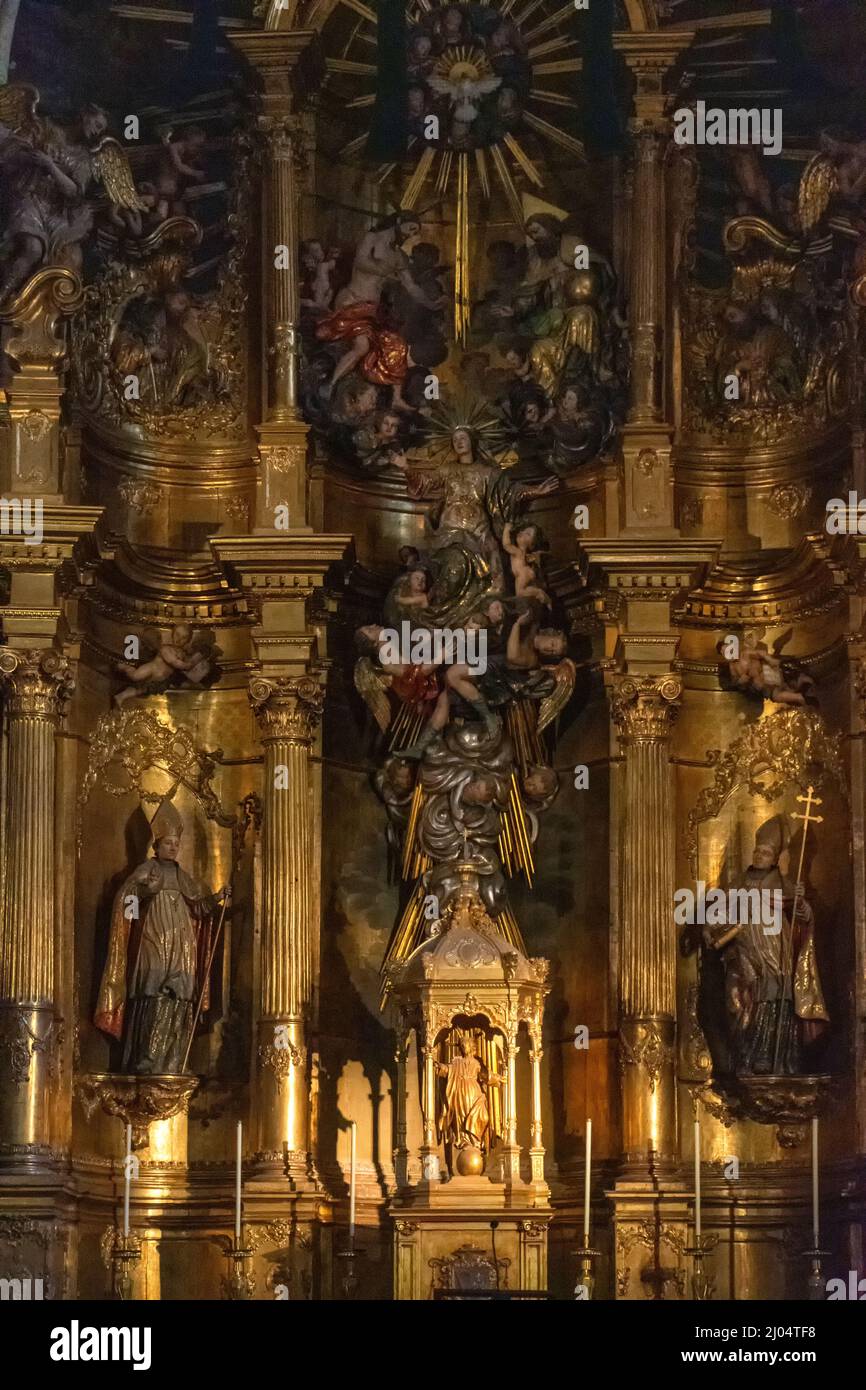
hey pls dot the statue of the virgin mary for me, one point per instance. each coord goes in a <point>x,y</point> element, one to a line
<point>158,949</point>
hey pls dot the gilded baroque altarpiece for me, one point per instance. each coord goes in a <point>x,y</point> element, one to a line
<point>417,586</point>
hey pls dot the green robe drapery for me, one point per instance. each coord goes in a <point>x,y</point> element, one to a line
<point>154,971</point>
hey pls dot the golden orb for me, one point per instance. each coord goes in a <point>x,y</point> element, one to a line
<point>470,1162</point>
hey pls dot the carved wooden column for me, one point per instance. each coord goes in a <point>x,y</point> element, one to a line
<point>643,711</point>
<point>648,501</point>
<point>274,56</point>
<point>34,339</point>
<point>37,683</point>
<point>287,710</point>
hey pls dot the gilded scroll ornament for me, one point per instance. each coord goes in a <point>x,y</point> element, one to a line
<point>127,744</point>
<point>787,747</point>
<point>642,1043</point>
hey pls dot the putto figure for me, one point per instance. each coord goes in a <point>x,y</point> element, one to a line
<point>158,950</point>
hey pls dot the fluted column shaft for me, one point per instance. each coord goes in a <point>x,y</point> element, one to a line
<point>37,684</point>
<point>287,710</point>
<point>643,711</point>
<point>647,288</point>
<point>283,288</point>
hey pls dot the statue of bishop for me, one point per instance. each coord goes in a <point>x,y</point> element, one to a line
<point>159,947</point>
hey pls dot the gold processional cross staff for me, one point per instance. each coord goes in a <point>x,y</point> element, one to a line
<point>810,800</point>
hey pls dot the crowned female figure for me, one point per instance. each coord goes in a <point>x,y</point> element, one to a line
<point>158,951</point>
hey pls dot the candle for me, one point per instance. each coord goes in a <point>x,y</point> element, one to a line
<point>127,1178</point>
<point>353,1159</point>
<point>238,1175</point>
<point>816,1225</point>
<point>587,1179</point>
<point>697,1184</point>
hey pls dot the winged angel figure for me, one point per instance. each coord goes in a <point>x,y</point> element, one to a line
<point>838,170</point>
<point>47,172</point>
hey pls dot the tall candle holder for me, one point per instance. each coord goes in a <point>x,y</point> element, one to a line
<point>703,1284</point>
<point>816,1287</point>
<point>587,1257</point>
<point>350,1270</point>
<point>125,1255</point>
<point>239,1284</point>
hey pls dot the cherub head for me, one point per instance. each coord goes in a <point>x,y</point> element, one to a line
<point>367,639</point>
<point>181,634</point>
<point>540,782</point>
<point>94,122</point>
<point>418,581</point>
<point>550,643</point>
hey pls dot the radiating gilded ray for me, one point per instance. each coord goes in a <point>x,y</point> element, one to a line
<point>524,161</point>
<point>462,293</point>
<point>367,100</point>
<point>550,46</point>
<point>508,185</point>
<point>551,22</point>
<point>384,171</point>
<point>444,172</point>
<point>354,146</point>
<point>521,18</point>
<point>416,182</point>
<point>481,166</point>
<point>566,65</point>
<point>348,66</point>
<point>363,10</point>
<point>552,98</point>
<point>557,136</point>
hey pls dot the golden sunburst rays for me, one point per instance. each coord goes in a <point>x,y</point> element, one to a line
<point>478,144</point>
<point>463,411</point>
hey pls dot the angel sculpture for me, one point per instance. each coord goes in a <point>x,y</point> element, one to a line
<point>837,170</point>
<point>758,671</point>
<point>46,171</point>
<point>185,658</point>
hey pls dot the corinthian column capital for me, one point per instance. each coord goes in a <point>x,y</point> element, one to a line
<point>644,707</point>
<point>37,682</point>
<point>287,707</point>
<point>282,135</point>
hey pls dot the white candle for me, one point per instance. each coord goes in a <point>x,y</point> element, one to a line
<point>697,1183</point>
<point>587,1180</point>
<point>353,1160</point>
<point>816,1225</point>
<point>239,1149</point>
<point>127,1178</point>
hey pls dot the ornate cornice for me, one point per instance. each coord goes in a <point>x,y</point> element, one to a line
<point>644,707</point>
<point>38,682</point>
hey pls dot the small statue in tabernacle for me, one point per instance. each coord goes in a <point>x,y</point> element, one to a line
<point>465,1118</point>
<point>160,946</point>
<point>773,997</point>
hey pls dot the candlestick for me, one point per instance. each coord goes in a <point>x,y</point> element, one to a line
<point>127,1179</point>
<point>816,1223</point>
<point>353,1155</point>
<point>587,1182</point>
<point>238,1174</point>
<point>697,1183</point>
